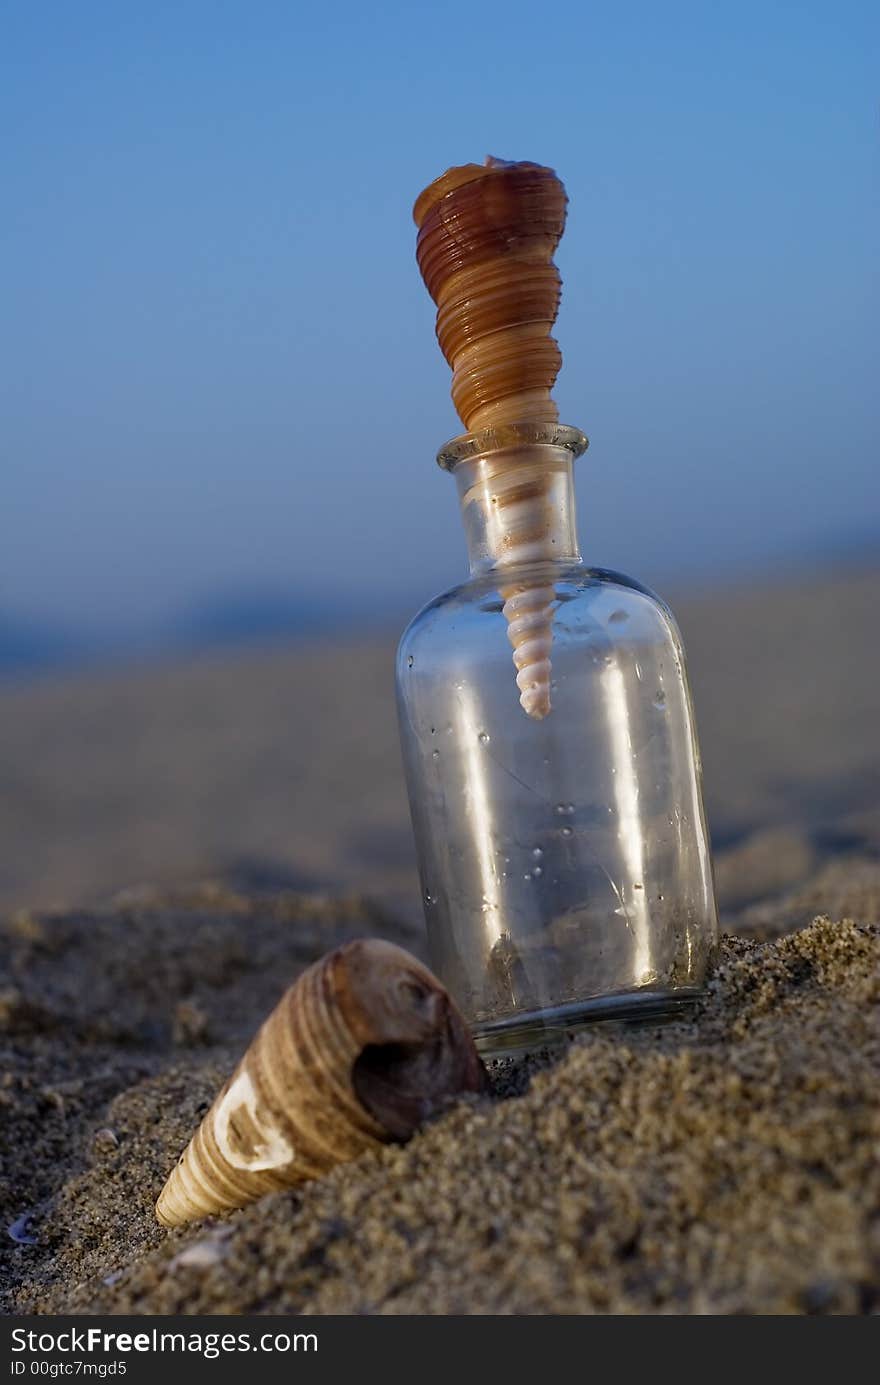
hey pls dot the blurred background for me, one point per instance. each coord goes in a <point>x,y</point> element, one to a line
<point>221,398</point>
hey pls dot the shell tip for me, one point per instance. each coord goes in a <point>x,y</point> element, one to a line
<point>536,705</point>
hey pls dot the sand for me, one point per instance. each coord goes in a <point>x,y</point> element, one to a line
<point>723,1164</point>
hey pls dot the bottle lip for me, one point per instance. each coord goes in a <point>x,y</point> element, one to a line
<point>507,435</point>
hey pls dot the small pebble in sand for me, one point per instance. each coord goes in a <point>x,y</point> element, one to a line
<point>203,1253</point>
<point>13,1009</point>
<point>190,1025</point>
<point>19,1233</point>
<point>105,1140</point>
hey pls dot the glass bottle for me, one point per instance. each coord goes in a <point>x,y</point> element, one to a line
<point>564,861</point>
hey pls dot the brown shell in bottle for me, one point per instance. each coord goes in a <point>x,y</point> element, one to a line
<point>487,235</point>
<point>363,1048</point>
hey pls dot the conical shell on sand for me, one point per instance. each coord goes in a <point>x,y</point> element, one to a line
<point>487,235</point>
<point>362,1049</point>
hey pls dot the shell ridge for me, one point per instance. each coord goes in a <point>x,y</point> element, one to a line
<point>308,1095</point>
<point>334,1027</point>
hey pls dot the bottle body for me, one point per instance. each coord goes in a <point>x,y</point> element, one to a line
<point>564,861</point>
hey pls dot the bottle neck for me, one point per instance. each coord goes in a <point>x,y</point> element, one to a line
<point>516,491</point>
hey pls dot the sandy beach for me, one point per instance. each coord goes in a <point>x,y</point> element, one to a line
<point>182,841</point>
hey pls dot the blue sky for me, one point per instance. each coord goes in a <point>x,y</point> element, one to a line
<point>219,363</point>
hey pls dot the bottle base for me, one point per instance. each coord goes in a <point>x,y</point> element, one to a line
<point>553,1027</point>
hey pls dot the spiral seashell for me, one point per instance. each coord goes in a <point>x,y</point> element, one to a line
<point>363,1048</point>
<point>485,250</point>
<point>529,613</point>
<point>487,235</point>
<point>519,494</point>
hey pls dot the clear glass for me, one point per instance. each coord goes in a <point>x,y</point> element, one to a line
<point>564,862</point>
